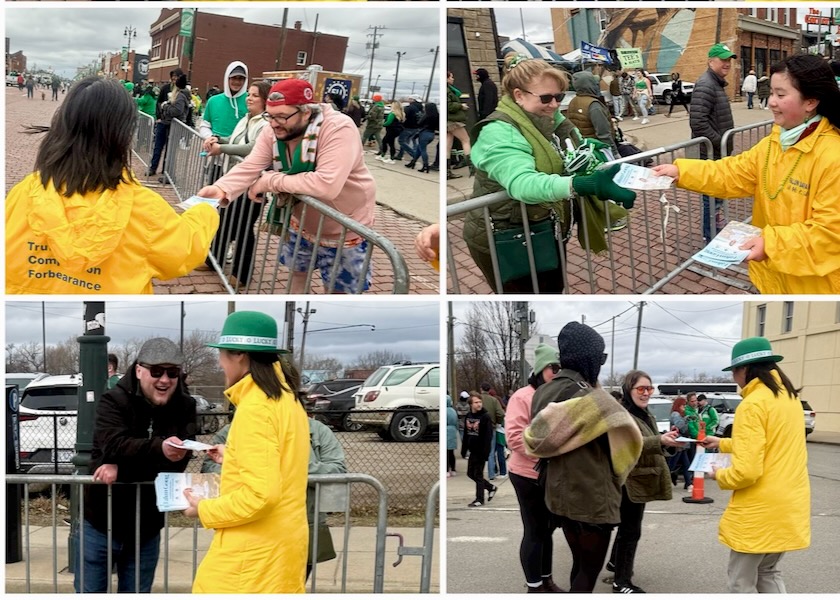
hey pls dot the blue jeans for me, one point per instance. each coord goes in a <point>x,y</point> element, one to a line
<point>419,149</point>
<point>750,99</point>
<point>718,218</point>
<point>161,137</point>
<point>497,452</point>
<point>123,555</point>
<point>407,142</point>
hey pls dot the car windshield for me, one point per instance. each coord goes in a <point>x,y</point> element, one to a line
<point>660,412</point>
<point>52,398</point>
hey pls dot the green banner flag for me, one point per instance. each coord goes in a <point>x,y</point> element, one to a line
<point>187,20</point>
<point>836,15</point>
<point>630,58</point>
<point>124,53</point>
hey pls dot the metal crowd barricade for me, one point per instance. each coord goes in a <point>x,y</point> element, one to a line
<point>332,494</point>
<point>742,138</point>
<point>253,266</point>
<point>144,138</point>
<point>663,230</point>
<point>426,551</point>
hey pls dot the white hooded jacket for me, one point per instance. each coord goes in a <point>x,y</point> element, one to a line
<point>217,117</point>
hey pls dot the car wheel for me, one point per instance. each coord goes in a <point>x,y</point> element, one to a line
<point>728,431</point>
<point>408,427</point>
<point>348,425</point>
<point>212,425</point>
<point>666,97</point>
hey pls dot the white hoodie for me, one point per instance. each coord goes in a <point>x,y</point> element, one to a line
<point>206,127</point>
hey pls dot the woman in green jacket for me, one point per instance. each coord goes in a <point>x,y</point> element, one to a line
<point>517,149</point>
<point>456,125</point>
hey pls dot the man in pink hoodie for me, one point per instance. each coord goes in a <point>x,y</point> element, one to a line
<point>314,150</point>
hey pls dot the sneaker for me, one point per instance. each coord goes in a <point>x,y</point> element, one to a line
<point>475,504</point>
<point>610,566</point>
<point>379,157</point>
<point>689,488</point>
<point>492,493</point>
<point>635,118</point>
<point>617,225</point>
<point>644,122</point>
<point>626,588</point>
<point>619,119</point>
<point>389,161</point>
<point>502,477</point>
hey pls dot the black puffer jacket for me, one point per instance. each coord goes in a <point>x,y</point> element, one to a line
<point>711,114</point>
<point>129,431</point>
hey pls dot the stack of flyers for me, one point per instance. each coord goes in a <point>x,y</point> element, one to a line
<point>723,251</point>
<point>195,201</point>
<point>706,460</point>
<point>635,177</point>
<point>169,489</point>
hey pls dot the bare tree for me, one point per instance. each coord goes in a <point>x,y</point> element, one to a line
<point>377,358</point>
<point>472,362</point>
<point>63,358</point>
<point>325,363</point>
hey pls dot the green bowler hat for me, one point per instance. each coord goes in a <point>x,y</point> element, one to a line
<point>752,350</point>
<point>249,331</point>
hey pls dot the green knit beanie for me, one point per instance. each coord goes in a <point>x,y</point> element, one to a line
<point>544,355</point>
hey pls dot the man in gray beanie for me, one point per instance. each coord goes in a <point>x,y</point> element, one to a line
<point>137,427</point>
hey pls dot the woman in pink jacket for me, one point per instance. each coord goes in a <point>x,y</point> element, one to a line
<point>537,548</point>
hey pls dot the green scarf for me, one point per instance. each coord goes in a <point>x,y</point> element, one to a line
<point>537,132</point>
<point>275,217</point>
<point>565,426</point>
<point>455,90</point>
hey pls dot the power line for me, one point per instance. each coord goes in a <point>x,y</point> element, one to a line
<point>687,325</point>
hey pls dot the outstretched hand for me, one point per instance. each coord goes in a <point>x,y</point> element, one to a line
<point>600,184</point>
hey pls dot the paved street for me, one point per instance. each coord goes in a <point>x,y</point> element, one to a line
<point>407,201</point>
<point>656,242</point>
<point>678,553</point>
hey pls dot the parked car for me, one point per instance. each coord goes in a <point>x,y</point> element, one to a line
<point>810,417</point>
<point>47,421</point>
<point>208,422</point>
<point>23,379</point>
<point>316,391</point>
<point>335,409</point>
<point>661,85</point>
<point>660,408</point>
<point>402,401</point>
<point>725,405</point>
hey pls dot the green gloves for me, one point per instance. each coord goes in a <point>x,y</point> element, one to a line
<point>600,184</point>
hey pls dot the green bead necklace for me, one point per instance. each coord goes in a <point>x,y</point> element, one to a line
<point>787,177</point>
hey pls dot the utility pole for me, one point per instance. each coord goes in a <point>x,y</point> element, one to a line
<point>373,46</point>
<point>130,32</point>
<point>314,40</point>
<point>279,60</point>
<point>183,314</point>
<point>44,334</point>
<point>305,313</point>
<point>432,76</point>
<point>397,76</point>
<point>290,326</point>
<point>638,336</point>
<point>522,315</point>
<point>450,346</point>
<point>612,353</point>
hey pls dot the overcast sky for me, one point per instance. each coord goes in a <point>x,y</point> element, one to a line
<point>65,38</point>
<point>676,336</point>
<point>410,327</point>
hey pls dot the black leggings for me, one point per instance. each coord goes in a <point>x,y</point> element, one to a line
<point>475,471</point>
<point>388,142</point>
<point>589,545</point>
<point>538,525</point>
<point>674,103</point>
<point>627,539</point>
<point>450,460</point>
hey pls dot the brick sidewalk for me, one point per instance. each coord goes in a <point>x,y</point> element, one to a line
<point>21,150</point>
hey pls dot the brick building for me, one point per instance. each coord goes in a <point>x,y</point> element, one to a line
<point>472,42</point>
<point>221,39</point>
<point>16,62</point>
<point>678,39</point>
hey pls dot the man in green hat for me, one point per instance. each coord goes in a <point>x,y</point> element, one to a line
<point>710,117</point>
<point>770,510</point>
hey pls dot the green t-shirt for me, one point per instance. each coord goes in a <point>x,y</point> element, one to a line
<point>222,116</point>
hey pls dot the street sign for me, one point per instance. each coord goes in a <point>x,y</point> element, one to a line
<point>817,20</point>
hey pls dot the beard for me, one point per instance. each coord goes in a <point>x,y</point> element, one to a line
<point>291,134</point>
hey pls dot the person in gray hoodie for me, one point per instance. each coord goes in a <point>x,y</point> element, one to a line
<point>588,111</point>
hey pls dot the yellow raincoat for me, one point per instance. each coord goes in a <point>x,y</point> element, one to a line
<point>262,535</point>
<point>770,509</point>
<point>801,226</point>
<point>111,242</point>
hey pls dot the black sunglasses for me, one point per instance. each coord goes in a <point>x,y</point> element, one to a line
<point>157,371</point>
<point>604,358</point>
<point>547,98</point>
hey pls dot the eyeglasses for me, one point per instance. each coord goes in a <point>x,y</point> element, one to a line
<point>157,371</point>
<point>604,358</point>
<point>644,389</point>
<point>547,98</point>
<point>555,369</point>
<point>278,119</point>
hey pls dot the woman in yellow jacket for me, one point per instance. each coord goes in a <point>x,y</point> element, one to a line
<point>770,510</point>
<point>793,176</point>
<point>81,223</point>
<point>262,534</point>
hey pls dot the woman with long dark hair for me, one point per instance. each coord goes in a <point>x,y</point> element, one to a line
<point>536,550</point>
<point>647,481</point>
<point>679,463</point>
<point>793,176</point>
<point>261,539</point>
<point>429,123</point>
<point>81,223</point>
<point>770,509</point>
<point>677,95</point>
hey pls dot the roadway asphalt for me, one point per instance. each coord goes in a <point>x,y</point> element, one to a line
<point>679,551</point>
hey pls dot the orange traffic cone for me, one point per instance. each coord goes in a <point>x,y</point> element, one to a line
<point>698,492</point>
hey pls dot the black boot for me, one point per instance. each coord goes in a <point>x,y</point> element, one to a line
<point>469,164</point>
<point>410,165</point>
<point>424,169</point>
<point>449,173</point>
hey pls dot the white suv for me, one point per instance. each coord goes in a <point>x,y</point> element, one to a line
<point>402,401</point>
<point>47,421</point>
<point>661,85</point>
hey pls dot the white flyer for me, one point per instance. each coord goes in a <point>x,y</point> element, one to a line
<point>195,201</point>
<point>169,489</point>
<point>706,460</point>
<point>723,251</point>
<point>635,177</point>
<point>190,445</point>
<point>682,438</point>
